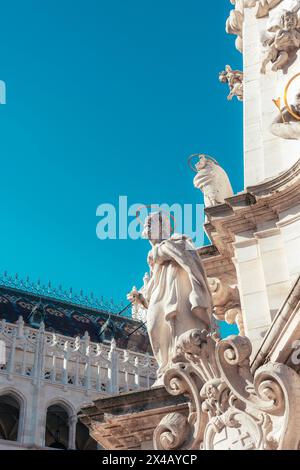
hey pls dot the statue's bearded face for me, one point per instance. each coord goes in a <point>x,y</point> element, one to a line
<point>289,21</point>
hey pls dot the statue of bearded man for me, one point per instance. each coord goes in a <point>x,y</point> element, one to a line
<point>177,296</point>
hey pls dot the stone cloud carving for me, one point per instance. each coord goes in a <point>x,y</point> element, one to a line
<point>234,24</point>
<point>286,125</point>
<point>234,78</point>
<point>284,42</point>
<point>213,181</point>
<point>230,407</point>
<point>235,21</point>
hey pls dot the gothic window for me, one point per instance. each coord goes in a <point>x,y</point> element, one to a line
<point>57,427</point>
<point>9,417</point>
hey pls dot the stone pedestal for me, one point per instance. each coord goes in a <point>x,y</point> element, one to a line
<point>128,421</point>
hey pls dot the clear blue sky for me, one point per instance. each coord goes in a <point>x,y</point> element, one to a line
<point>106,98</point>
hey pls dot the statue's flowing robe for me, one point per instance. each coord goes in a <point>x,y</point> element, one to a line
<point>178,297</point>
<point>213,181</point>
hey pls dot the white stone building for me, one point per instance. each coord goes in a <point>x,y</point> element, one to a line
<point>47,377</point>
<point>244,391</point>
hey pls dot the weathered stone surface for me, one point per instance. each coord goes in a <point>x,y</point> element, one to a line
<point>128,421</point>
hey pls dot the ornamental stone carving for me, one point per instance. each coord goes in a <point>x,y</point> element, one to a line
<point>265,6</point>
<point>234,23</point>
<point>213,181</point>
<point>234,78</point>
<point>282,42</point>
<point>230,407</point>
<point>286,125</point>
<point>226,303</point>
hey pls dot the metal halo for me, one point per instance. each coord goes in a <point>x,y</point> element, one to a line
<point>149,206</point>
<point>296,116</point>
<point>199,155</point>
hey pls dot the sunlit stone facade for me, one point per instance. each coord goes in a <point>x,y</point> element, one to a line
<point>245,389</point>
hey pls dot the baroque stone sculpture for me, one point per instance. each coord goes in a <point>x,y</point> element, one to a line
<point>213,181</point>
<point>234,24</point>
<point>177,296</point>
<point>286,125</point>
<point>231,407</point>
<point>234,78</point>
<point>264,7</point>
<point>284,42</point>
<point>226,303</point>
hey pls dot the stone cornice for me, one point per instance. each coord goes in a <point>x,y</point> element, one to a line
<point>247,210</point>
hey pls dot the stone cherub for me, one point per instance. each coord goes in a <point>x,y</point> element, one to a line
<point>177,296</point>
<point>213,181</point>
<point>234,78</point>
<point>284,43</point>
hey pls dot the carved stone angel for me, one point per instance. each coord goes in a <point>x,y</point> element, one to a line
<point>284,44</point>
<point>234,78</point>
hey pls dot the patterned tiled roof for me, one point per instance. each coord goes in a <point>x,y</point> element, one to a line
<point>71,319</point>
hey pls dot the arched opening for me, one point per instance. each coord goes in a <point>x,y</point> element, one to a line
<point>9,417</point>
<point>83,439</point>
<point>57,427</point>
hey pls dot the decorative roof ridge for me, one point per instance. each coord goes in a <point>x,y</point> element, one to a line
<point>59,294</point>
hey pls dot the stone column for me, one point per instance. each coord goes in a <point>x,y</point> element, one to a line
<point>252,289</point>
<point>72,432</point>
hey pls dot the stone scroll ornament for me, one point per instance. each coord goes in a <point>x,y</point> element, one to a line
<point>229,406</point>
<point>287,124</point>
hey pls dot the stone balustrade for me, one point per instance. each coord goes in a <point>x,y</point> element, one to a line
<point>78,363</point>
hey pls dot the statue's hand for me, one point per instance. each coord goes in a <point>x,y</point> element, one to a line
<point>135,297</point>
<point>150,260</point>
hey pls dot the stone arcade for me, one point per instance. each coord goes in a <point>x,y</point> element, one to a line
<point>242,392</point>
<point>62,351</point>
